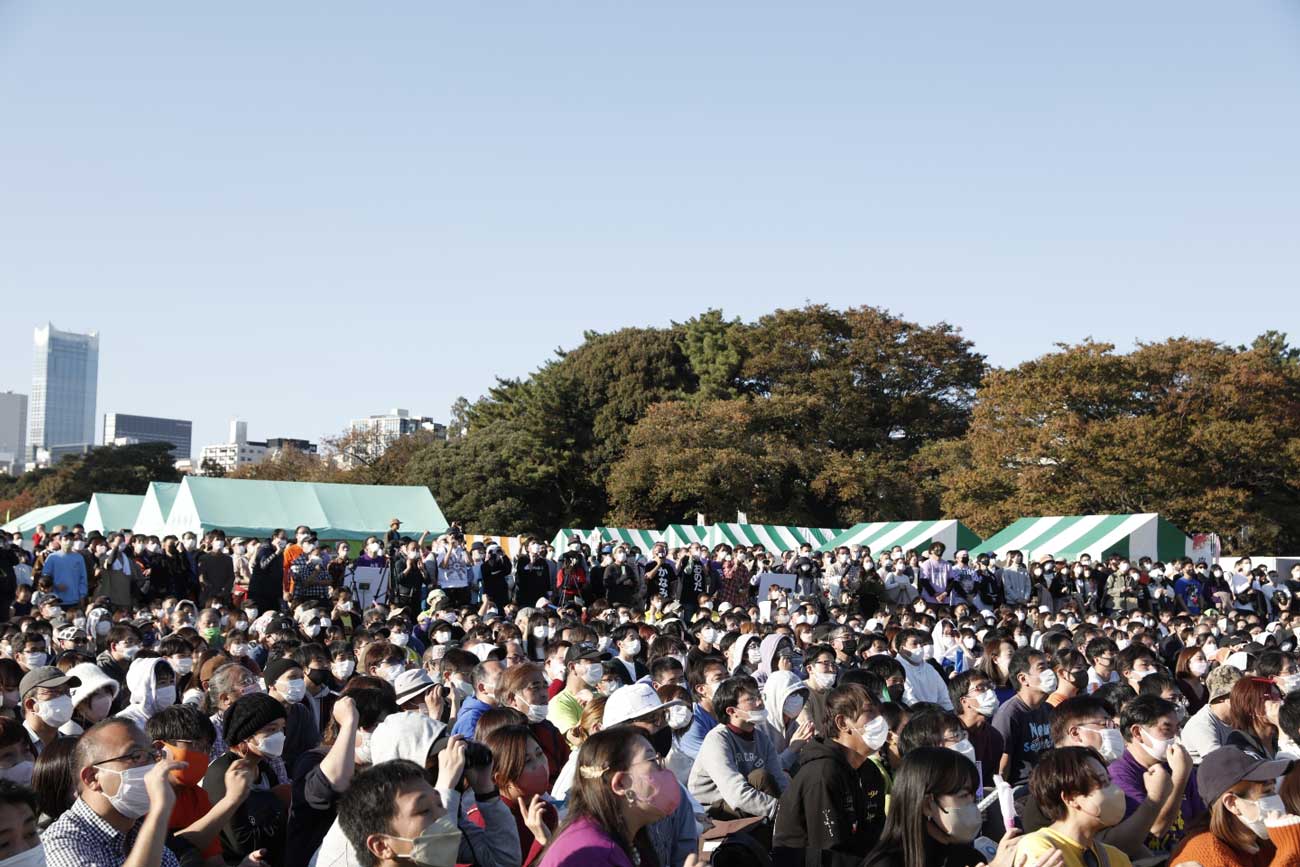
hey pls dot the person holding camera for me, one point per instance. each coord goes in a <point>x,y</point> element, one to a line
<point>454,570</point>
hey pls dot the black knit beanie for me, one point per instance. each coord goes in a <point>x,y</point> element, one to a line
<point>248,715</point>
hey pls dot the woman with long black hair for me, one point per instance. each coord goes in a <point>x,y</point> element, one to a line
<point>933,817</point>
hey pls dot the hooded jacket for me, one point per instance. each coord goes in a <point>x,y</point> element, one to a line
<point>142,681</point>
<point>737,654</point>
<point>771,644</point>
<point>831,814</point>
<point>779,687</point>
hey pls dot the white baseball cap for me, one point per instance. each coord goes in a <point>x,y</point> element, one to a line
<point>633,701</point>
<point>410,684</point>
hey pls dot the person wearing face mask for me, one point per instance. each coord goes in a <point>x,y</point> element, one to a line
<point>788,725</point>
<point>67,569</point>
<point>1024,721</point>
<point>627,640</point>
<point>1253,713</point>
<point>287,684</point>
<point>933,817</point>
<point>834,809</point>
<point>1209,728</point>
<point>638,709</point>
<point>392,814</point>
<point>125,800</point>
<point>122,644</point>
<point>583,670</point>
<point>1071,788</point>
<point>253,729</point>
<point>620,789</point>
<point>702,678</point>
<point>523,687</point>
<point>1071,670</point>
<point>322,775</point>
<point>1084,721</point>
<point>1246,824</point>
<point>923,683</point>
<point>46,702</point>
<point>738,771</point>
<point>532,573</point>
<point>521,774</point>
<point>184,734</point>
<point>974,703</point>
<point>1150,728</point>
<point>92,698</point>
<point>152,685</point>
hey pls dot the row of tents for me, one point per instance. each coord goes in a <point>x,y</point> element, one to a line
<point>351,512</point>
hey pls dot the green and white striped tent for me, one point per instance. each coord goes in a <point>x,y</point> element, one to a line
<point>62,514</point>
<point>681,535</point>
<point>157,505</point>
<point>1069,537</point>
<point>642,539</point>
<point>111,512</point>
<point>772,537</point>
<point>909,535</point>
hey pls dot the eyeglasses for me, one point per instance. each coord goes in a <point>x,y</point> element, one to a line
<point>138,756</point>
<point>653,761</point>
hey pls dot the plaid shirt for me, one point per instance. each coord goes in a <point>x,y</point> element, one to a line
<point>81,838</point>
<point>303,570</point>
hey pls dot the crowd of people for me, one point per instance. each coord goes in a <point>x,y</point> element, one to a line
<point>217,700</point>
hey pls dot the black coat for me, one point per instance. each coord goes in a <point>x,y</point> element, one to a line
<point>831,814</point>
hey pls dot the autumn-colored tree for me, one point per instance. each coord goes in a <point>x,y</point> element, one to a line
<point>1200,432</point>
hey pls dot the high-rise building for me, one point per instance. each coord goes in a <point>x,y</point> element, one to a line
<point>121,429</point>
<point>241,451</point>
<point>383,430</point>
<point>13,432</point>
<point>65,382</point>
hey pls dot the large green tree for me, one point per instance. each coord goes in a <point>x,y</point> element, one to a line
<point>1200,432</point>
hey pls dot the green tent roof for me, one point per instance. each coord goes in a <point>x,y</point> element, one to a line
<point>251,507</point>
<point>909,535</point>
<point>109,512</point>
<point>773,537</point>
<point>1071,536</point>
<point>66,514</point>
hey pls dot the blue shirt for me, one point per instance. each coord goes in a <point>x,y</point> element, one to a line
<point>467,719</point>
<point>702,722</point>
<point>68,571</point>
<point>1189,590</point>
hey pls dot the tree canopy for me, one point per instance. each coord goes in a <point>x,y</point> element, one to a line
<point>825,417</point>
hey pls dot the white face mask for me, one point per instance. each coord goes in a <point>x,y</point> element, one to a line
<point>988,702</point>
<point>343,670</point>
<point>1263,806</point>
<point>270,745</point>
<point>633,647</point>
<point>1047,681</point>
<point>56,711</point>
<point>132,798</point>
<point>793,705</point>
<point>184,665</point>
<point>876,733</point>
<point>164,696</point>
<point>1158,748</point>
<point>295,689</point>
<point>965,747</point>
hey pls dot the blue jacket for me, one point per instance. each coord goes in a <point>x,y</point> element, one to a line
<point>68,572</point>
<point>467,719</point>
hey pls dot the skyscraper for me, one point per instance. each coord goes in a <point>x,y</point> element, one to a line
<point>65,382</point>
<point>13,432</point>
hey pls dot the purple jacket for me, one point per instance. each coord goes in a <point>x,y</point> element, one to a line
<point>584,845</point>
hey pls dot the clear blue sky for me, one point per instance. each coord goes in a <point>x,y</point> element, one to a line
<point>301,212</point>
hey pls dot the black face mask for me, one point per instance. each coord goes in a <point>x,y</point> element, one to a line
<point>318,676</point>
<point>662,741</point>
<point>1079,681</point>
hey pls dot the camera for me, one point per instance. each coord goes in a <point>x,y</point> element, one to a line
<point>477,755</point>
